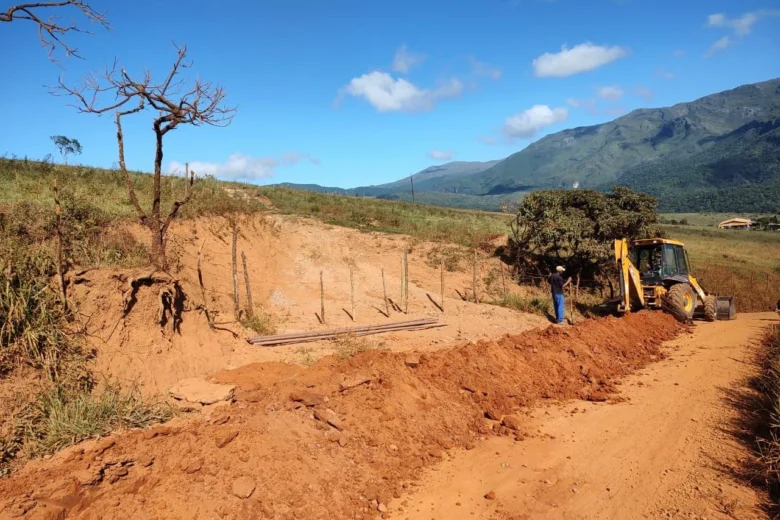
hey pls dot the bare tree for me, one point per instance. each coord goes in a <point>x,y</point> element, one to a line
<point>50,31</point>
<point>198,104</point>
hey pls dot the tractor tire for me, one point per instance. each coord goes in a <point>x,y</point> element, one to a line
<point>680,301</point>
<point>711,307</point>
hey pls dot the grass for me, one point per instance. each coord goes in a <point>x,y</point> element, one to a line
<point>348,345</point>
<point>434,224</point>
<point>762,417</point>
<point>62,416</point>
<point>260,323</point>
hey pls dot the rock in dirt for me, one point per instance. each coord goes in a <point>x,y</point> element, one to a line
<point>308,398</point>
<point>353,381</point>
<point>104,446</point>
<point>490,495</point>
<point>191,466</point>
<point>223,440</point>
<point>512,422</point>
<point>412,360</point>
<point>243,487</point>
<point>197,390</point>
<point>330,417</point>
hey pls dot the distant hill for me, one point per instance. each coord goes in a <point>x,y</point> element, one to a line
<point>424,180</point>
<point>717,153</point>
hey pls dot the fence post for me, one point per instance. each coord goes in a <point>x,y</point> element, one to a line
<point>442,284</point>
<point>384,292</point>
<point>236,309</point>
<point>322,299</point>
<point>406,283</point>
<point>474,277</point>
<point>503,280</point>
<point>250,306</point>
<point>352,291</point>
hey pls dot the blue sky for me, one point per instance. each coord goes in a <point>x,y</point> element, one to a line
<point>349,93</point>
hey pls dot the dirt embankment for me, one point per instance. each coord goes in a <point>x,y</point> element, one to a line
<point>284,257</point>
<point>335,440</point>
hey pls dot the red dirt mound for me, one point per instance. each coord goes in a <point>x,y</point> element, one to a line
<point>335,440</point>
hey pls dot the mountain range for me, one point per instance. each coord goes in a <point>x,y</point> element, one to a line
<point>717,153</point>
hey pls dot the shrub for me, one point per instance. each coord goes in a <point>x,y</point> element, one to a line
<point>577,228</point>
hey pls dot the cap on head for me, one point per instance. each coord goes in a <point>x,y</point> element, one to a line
<point>560,269</point>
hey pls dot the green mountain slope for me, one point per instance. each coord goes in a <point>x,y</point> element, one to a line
<point>595,155</point>
<point>739,172</point>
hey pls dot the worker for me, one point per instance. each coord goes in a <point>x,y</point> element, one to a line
<point>557,285</point>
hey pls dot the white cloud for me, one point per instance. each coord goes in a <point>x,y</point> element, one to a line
<point>644,92</point>
<point>666,74</point>
<point>528,123</point>
<point>480,68</point>
<point>719,46</point>
<point>440,155</point>
<point>243,167</point>
<point>580,58</point>
<point>404,60</point>
<point>740,26</point>
<point>388,94</point>
<point>574,102</point>
<point>610,93</point>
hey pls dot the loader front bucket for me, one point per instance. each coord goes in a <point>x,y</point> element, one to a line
<point>727,310</point>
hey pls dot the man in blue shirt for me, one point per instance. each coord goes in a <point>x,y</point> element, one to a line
<point>557,285</point>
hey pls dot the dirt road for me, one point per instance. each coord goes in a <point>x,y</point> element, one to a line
<point>663,453</point>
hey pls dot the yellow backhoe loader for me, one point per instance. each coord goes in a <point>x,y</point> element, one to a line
<point>655,273</point>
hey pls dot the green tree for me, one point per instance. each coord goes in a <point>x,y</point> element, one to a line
<point>66,146</point>
<point>577,229</point>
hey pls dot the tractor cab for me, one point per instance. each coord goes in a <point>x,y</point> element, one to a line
<point>660,261</point>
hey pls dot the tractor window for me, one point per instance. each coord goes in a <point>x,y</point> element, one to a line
<point>670,261</point>
<point>682,260</point>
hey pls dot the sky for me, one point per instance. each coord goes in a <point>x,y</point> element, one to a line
<point>356,92</point>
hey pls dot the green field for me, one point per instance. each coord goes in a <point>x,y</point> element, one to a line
<point>708,219</point>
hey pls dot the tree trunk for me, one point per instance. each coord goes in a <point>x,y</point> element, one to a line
<point>157,252</point>
<point>158,159</point>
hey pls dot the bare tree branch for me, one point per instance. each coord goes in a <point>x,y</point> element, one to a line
<point>50,31</point>
<point>200,104</point>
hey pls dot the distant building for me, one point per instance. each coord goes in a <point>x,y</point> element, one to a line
<point>736,223</point>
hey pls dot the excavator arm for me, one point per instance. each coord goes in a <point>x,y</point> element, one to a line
<point>630,282</point>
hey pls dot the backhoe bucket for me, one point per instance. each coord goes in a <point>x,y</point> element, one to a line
<point>727,310</point>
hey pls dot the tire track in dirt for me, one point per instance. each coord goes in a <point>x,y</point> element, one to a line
<point>669,451</point>
<point>338,439</point>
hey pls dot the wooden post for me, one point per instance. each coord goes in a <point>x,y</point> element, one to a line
<point>384,292</point>
<point>352,291</point>
<point>503,280</point>
<point>411,179</point>
<point>322,299</point>
<point>474,278</point>
<point>236,309</point>
<point>203,288</point>
<point>406,283</point>
<point>250,306</point>
<point>60,274</point>
<point>442,284</point>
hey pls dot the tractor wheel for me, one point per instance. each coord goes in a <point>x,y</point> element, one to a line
<point>680,301</point>
<point>711,307</point>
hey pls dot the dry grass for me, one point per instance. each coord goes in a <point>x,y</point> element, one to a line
<point>348,345</point>
<point>261,323</point>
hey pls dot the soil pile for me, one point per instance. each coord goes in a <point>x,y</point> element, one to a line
<point>338,439</point>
